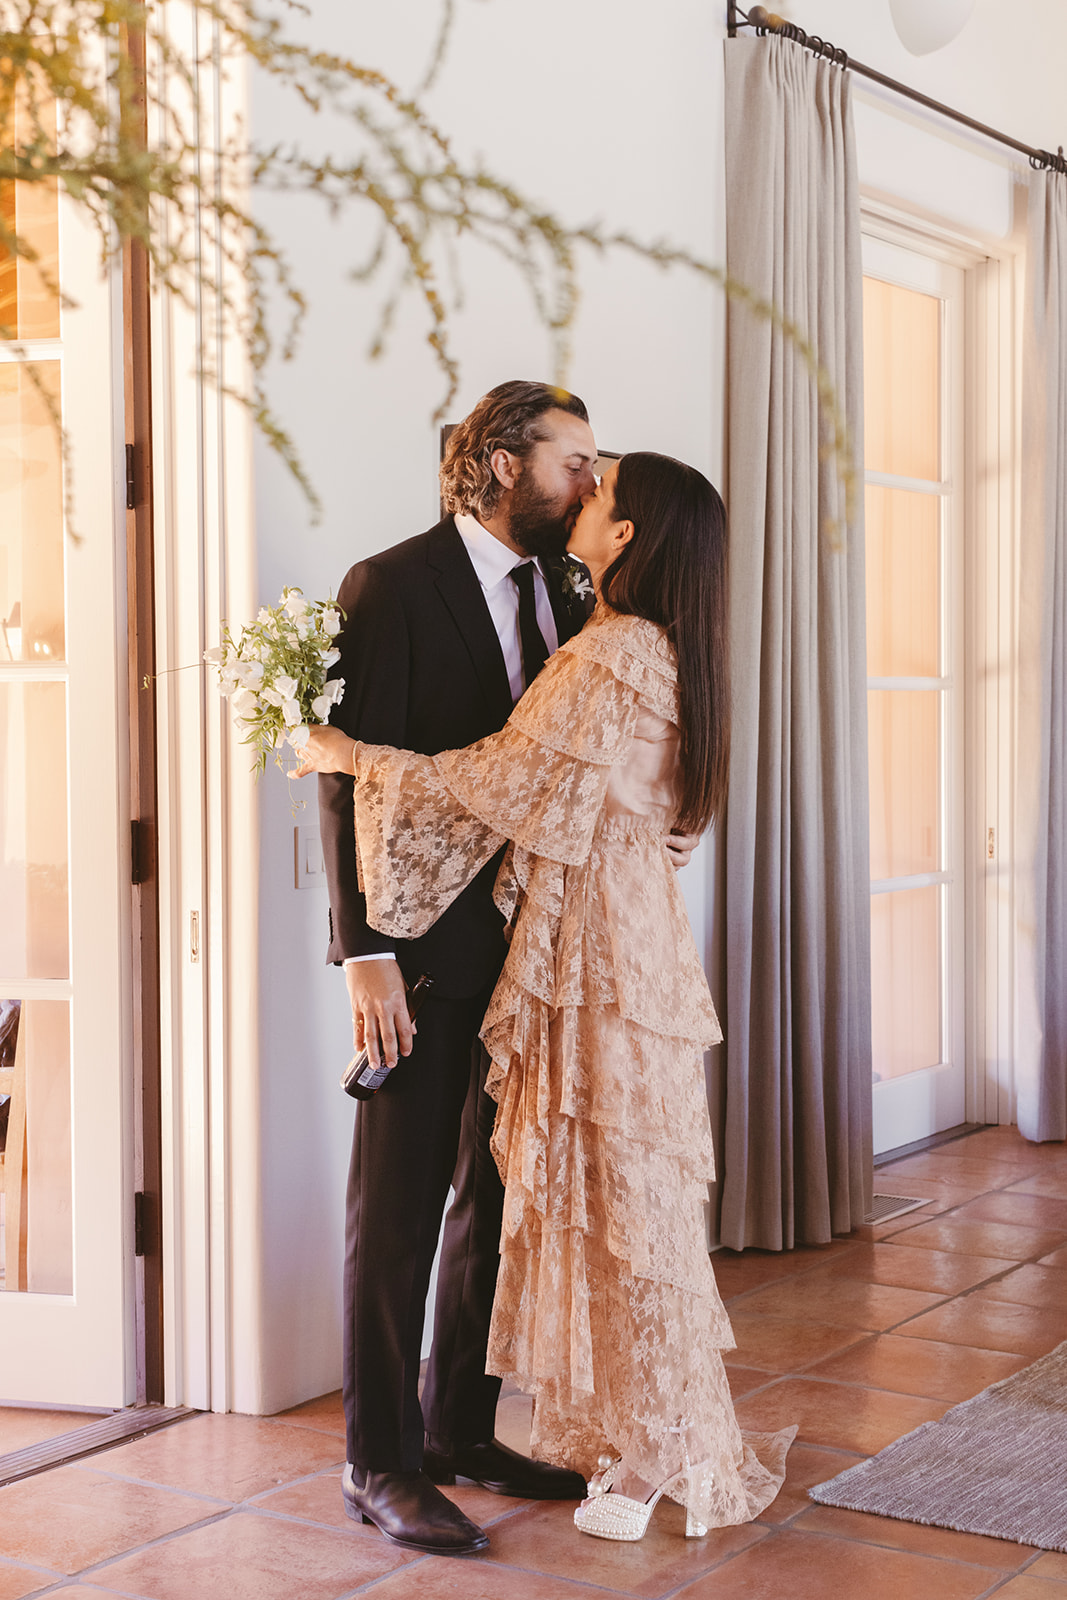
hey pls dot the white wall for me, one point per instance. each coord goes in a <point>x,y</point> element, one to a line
<point>1005,68</point>
<point>1002,70</point>
<point>607,109</point>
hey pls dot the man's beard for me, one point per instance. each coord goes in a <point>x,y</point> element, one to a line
<point>535,521</point>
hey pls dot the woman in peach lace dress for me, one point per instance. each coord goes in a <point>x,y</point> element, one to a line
<point>606,1308</point>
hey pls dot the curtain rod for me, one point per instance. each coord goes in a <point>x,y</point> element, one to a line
<point>764,21</point>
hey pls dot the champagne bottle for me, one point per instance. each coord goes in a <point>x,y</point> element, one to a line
<point>361,1079</point>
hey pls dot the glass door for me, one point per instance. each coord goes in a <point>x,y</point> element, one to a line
<point>913,318</point>
<point>64,1209</point>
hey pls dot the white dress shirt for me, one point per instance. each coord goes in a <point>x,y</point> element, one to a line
<point>492,562</point>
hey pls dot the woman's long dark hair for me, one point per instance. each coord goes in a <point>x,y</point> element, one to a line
<point>673,571</point>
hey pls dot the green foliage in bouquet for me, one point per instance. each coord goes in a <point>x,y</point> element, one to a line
<point>275,673</point>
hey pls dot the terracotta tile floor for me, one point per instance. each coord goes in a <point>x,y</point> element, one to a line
<point>22,1426</point>
<point>858,1342</point>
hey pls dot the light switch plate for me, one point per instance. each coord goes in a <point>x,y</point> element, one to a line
<point>310,866</point>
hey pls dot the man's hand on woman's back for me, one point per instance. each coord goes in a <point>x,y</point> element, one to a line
<point>680,847</point>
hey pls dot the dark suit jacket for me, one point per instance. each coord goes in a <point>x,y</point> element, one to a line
<point>423,671</point>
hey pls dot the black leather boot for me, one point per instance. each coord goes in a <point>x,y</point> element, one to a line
<point>409,1510</point>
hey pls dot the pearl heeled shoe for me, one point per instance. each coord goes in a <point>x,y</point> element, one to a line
<point>606,1515</point>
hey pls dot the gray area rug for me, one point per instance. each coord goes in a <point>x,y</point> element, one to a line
<point>996,1464</point>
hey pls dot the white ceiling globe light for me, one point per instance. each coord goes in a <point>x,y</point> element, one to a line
<point>926,25</point>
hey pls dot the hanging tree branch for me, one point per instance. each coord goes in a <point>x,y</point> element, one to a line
<point>69,87</point>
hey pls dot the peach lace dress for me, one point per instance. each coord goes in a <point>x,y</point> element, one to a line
<point>606,1306</point>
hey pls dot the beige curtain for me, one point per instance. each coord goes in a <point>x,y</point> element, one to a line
<point>1041,787</point>
<point>797,1153</point>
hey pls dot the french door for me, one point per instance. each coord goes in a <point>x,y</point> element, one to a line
<point>913,448</point>
<point>66,1324</point>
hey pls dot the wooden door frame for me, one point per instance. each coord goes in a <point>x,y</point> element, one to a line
<point>145,953</point>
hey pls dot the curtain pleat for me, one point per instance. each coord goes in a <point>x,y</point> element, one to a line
<point>1041,777</point>
<point>797,1154</point>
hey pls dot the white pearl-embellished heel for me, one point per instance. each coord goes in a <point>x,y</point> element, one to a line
<point>607,1515</point>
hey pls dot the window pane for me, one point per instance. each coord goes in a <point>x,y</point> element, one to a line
<point>902,361</point>
<point>905,981</point>
<point>903,584</point>
<point>29,299</point>
<point>35,1169</point>
<point>31,517</point>
<point>903,743</point>
<point>33,830</point>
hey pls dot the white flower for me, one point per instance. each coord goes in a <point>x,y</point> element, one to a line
<point>276,667</point>
<point>576,579</point>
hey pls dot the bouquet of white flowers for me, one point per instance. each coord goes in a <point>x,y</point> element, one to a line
<point>274,673</point>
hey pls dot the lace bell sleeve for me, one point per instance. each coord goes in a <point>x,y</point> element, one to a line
<point>425,825</point>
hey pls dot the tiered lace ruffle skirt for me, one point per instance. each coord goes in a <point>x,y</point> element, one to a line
<point>606,1306</point>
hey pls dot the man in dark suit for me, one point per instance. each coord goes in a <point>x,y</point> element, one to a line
<point>440,638</point>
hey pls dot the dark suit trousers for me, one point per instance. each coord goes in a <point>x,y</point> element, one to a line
<point>429,1126</point>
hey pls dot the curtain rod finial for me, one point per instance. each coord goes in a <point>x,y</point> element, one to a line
<point>760,17</point>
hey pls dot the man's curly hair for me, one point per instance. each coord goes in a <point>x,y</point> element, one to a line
<point>509,418</point>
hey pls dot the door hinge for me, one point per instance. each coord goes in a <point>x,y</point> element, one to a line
<point>131,495</point>
<point>140,852</point>
<point>145,1224</point>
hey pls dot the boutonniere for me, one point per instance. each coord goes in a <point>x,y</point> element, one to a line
<point>575,587</point>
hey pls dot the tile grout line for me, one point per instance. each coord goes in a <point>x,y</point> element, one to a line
<point>75,1583</point>
<point>982,1283</point>
<point>943,1300</point>
<point>1009,1577</point>
<point>229,1509</point>
<point>482,1561</point>
<point>152,1544</point>
<point>956,1561</point>
<point>151,1483</point>
<point>26,1566</point>
<point>899,1237</point>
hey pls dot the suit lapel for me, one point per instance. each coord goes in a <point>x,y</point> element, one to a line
<point>462,595</point>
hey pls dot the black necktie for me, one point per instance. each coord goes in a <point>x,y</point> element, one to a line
<point>534,648</point>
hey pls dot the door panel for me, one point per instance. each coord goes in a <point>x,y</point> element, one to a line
<point>65,1328</point>
<point>913,359</point>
